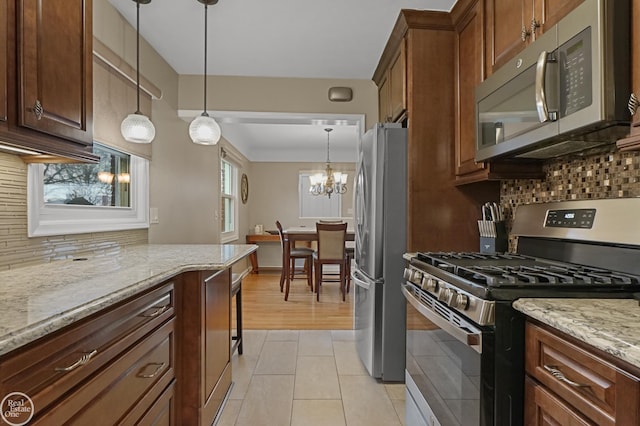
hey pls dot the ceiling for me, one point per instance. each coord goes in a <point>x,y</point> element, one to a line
<point>332,39</point>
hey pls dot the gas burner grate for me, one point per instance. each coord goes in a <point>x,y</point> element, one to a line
<point>499,276</point>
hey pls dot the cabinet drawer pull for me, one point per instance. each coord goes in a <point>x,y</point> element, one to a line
<point>159,310</point>
<point>38,110</point>
<point>84,359</point>
<point>159,368</point>
<point>555,372</point>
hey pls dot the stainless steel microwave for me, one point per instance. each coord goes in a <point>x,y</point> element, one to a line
<point>565,93</point>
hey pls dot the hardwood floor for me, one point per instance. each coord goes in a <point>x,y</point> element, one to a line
<point>264,308</point>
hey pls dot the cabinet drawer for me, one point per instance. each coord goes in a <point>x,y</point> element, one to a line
<point>543,408</point>
<point>595,387</point>
<point>122,392</point>
<point>49,368</point>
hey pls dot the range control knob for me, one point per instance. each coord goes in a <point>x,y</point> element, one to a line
<point>416,278</point>
<point>430,284</point>
<point>407,274</point>
<point>462,301</point>
<point>444,295</point>
<point>452,297</point>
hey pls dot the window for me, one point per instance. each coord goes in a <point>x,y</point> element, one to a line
<point>316,206</point>
<point>78,198</point>
<point>104,184</point>
<point>228,201</point>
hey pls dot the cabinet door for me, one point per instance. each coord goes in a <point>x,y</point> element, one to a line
<point>398,84</point>
<point>384,103</point>
<point>4,28</point>
<point>505,23</point>
<point>469,73</point>
<point>55,68</point>
<point>217,333</point>
<point>548,12</point>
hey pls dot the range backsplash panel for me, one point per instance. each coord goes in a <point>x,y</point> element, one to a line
<point>610,175</point>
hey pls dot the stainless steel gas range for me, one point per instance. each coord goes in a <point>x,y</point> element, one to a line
<point>465,343</point>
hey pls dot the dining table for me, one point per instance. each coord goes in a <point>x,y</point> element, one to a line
<point>301,233</point>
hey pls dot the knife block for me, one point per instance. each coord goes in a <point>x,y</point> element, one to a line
<point>495,244</point>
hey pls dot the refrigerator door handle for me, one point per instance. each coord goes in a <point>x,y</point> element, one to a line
<point>361,282</point>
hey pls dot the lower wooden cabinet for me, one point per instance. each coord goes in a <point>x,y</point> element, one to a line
<point>110,368</point>
<point>571,383</point>
<point>162,357</point>
<point>204,374</point>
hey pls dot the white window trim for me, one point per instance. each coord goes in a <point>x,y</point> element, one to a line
<point>53,219</point>
<point>227,237</point>
<point>303,177</point>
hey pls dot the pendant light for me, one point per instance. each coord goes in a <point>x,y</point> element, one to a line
<point>203,129</point>
<point>137,127</point>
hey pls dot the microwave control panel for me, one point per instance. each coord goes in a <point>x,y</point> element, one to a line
<point>575,218</point>
<point>575,73</point>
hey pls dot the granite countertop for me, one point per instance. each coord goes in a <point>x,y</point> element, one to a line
<point>37,300</point>
<point>611,325</point>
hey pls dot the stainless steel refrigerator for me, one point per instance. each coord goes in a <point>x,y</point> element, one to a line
<point>380,229</point>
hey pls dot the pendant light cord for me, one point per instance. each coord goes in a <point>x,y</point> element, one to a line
<point>138,57</point>
<point>328,131</point>
<point>205,60</point>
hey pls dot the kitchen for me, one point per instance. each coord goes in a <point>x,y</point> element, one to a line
<point>608,175</point>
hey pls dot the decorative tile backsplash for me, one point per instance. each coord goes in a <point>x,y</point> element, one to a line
<point>610,175</point>
<point>17,250</point>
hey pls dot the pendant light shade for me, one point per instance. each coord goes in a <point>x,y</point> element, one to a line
<point>137,127</point>
<point>203,129</point>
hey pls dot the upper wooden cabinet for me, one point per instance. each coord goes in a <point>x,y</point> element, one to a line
<point>384,103</point>
<point>392,88</point>
<point>436,207</point>
<point>48,63</point>
<point>469,73</point>
<point>468,16</point>
<point>512,24</point>
<point>4,28</point>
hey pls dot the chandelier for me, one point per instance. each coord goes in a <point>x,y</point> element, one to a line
<point>330,182</point>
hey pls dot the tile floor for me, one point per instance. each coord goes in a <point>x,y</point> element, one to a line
<point>310,378</point>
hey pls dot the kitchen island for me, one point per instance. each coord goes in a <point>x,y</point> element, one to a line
<point>142,334</point>
<point>582,360</point>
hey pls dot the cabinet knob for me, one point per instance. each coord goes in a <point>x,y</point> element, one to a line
<point>38,110</point>
<point>524,33</point>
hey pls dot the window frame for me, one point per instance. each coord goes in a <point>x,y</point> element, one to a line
<point>233,235</point>
<point>61,219</point>
<point>303,191</point>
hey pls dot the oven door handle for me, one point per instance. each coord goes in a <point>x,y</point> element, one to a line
<point>473,340</point>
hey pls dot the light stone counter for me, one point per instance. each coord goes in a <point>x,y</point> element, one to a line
<point>612,325</point>
<point>37,300</point>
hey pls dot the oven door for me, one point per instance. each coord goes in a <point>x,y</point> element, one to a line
<point>444,358</point>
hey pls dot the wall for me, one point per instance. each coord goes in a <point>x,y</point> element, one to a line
<point>273,192</point>
<point>273,195</point>
<point>610,175</point>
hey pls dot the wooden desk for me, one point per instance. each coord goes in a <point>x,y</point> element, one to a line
<point>259,238</point>
<point>291,235</point>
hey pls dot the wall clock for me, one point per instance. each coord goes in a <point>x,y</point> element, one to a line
<point>244,188</point>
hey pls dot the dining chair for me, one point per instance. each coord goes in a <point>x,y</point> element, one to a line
<point>331,251</point>
<point>350,252</point>
<point>289,264</point>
